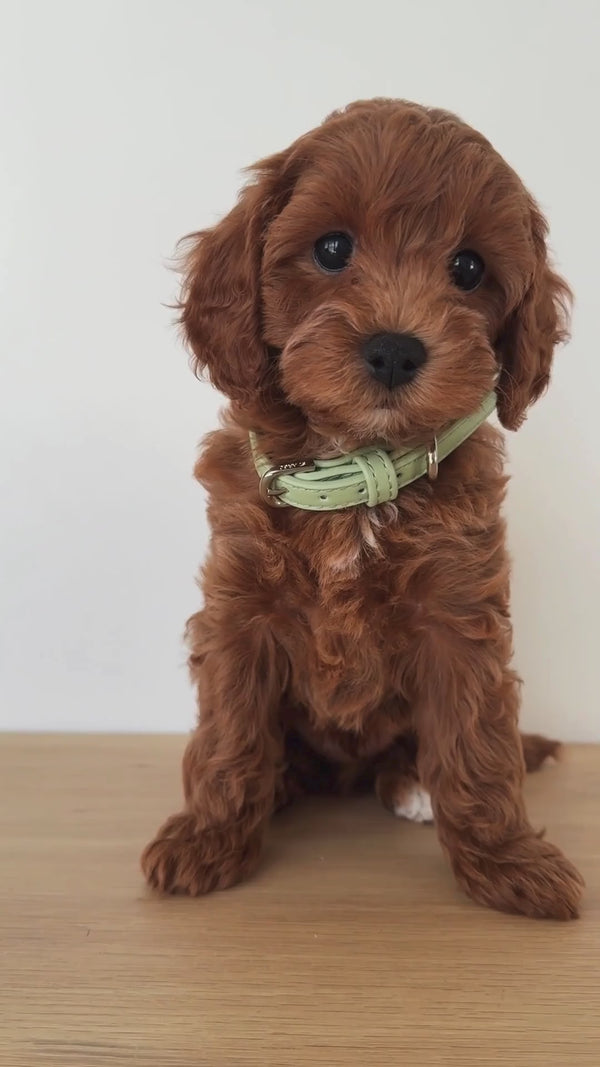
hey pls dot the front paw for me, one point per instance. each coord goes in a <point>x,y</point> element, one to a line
<point>530,877</point>
<point>184,859</point>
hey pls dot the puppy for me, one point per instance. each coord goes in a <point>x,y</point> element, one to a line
<point>373,287</point>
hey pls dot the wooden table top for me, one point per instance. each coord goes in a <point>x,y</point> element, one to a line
<point>351,946</point>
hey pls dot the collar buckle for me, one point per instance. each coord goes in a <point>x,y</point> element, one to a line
<point>272,496</point>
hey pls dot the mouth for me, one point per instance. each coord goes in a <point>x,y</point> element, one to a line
<point>387,404</point>
<point>377,423</point>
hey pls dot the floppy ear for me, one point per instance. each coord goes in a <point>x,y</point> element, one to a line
<point>534,328</point>
<point>220,295</point>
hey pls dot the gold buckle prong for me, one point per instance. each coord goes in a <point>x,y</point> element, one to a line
<point>272,496</point>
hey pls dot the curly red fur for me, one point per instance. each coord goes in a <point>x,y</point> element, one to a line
<point>366,647</point>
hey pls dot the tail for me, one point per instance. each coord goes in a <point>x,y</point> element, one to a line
<point>538,749</point>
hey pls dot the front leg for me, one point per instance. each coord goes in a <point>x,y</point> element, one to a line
<point>471,761</point>
<point>230,764</point>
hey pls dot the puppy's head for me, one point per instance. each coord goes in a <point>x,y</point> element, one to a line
<point>378,279</point>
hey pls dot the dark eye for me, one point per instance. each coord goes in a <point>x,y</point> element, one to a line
<point>333,251</point>
<point>467,269</point>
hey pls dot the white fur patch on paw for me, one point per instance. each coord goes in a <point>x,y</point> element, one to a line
<point>549,761</point>
<point>415,805</point>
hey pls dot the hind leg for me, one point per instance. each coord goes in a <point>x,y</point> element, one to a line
<point>538,750</point>
<point>397,782</point>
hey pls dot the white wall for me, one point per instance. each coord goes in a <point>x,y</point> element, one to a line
<point>124,126</point>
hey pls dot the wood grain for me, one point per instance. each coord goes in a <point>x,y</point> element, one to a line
<point>350,947</point>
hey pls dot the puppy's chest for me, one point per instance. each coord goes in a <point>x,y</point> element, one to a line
<point>349,570</point>
<point>351,546</point>
<point>349,619</point>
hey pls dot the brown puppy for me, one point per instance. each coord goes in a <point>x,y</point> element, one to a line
<point>352,646</point>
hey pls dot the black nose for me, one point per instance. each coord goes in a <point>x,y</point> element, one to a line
<point>394,358</point>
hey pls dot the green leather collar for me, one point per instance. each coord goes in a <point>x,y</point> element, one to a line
<point>368,476</point>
